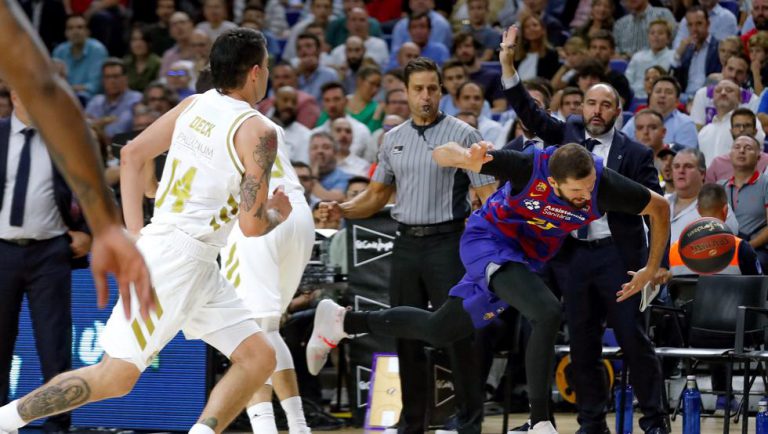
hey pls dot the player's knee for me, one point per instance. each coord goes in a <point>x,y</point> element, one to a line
<point>549,315</point>
<point>256,354</point>
<point>122,376</point>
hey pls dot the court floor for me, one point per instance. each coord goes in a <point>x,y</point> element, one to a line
<point>567,425</point>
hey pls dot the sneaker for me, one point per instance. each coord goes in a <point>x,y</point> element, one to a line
<point>521,429</point>
<point>446,431</point>
<point>544,427</point>
<point>328,330</point>
<point>390,431</point>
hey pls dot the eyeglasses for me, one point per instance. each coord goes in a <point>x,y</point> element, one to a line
<point>176,73</point>
<point>742,126</point>
<point>305,178</point>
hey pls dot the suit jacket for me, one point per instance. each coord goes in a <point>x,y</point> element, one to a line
<point>627,157</point>
<point>712,62</point>
<point>61,193</point>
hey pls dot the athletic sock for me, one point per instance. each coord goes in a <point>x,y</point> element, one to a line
<point>539,411</point>
<point>9,417</point>
<point>356,323</point>
<point>262,418</point>
<point>200,428</point>
<point>294,412</point>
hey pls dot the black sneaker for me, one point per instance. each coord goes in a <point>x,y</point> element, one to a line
<point>521,429</point>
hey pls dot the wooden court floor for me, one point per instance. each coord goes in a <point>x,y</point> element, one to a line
<point>566,423</point>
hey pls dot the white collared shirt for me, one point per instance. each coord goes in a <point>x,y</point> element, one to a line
<point>599,229</point>
<point>42,219</point>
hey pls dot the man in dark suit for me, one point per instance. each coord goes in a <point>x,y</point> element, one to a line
<point>527,141</point>
<point>43,236</point>
<point>591,268</point>
<point>697,56</point>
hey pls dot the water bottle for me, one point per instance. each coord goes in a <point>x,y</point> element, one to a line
<point>627,410</point>
<point>761,421</point>
<point>691,407</point>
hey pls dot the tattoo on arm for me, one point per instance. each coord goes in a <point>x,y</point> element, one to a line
<point>264,156</point>
<point>56,398</point>
<point>249,188</point>
<point>211,422</point>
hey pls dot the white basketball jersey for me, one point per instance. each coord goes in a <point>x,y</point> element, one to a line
<point>282,170</point>
<point>199,192</point>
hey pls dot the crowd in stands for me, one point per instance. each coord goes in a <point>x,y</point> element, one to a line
<point>692,77</point>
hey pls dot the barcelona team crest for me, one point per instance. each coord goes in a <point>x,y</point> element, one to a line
<point>541,187</point>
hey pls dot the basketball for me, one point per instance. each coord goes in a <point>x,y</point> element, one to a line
<point>706,246</point>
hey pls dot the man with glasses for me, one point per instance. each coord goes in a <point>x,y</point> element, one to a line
<point>112,111</point>
<point>181,32</point>
<point>179,78</point>
<point>743,122</point>
<point>159,97</point>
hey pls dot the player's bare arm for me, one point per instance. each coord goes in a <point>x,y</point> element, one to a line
<point>26,67</point>
<point>134,156</point>
<point>453,154</point>
<point>658,211</point>
<point>364,205</point>
<point>256,145</point>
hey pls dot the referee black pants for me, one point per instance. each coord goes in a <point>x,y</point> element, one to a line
<point>424,269</point>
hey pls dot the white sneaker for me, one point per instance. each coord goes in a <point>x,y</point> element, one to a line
<point>446,431</point>
<point>390,431</point>
<point>544,427</point>
<point>326,334</point>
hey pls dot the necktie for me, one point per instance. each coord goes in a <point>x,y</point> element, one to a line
<point>590,144</point>
<point>22,179</point>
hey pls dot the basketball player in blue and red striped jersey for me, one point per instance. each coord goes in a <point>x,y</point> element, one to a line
<point>545,196</point>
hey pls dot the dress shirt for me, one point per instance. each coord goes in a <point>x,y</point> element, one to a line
<point>489,129</point>
<point>336,180</point>
<point>361,135</point>
<point>354,165</point>
<point>122,108</point>
<point>681,131</point>
<point>722,24</point>
<point>86,69</point>
<point>448,107</point>
<point>631,30</point>
<point>599,229</point>
<point>441,31</point>
<point>640,62</point>
<point>171,56</point>
<point>697,76</point>
<point>715,139</point>
<point>313,83</point>
<point>42,219</point>
<point>686,216</point>
<point>297,141</point>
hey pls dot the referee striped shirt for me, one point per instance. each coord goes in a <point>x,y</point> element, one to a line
<point>427,193</point>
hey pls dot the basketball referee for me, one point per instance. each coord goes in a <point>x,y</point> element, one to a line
<point>432,205</point>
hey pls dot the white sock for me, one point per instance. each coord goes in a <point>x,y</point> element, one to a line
<point>262,417</point>
<point>9,417</point>
<point>200,428</point>
<point>294,412</point>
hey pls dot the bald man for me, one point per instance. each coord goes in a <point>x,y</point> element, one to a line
<point>593,264</point>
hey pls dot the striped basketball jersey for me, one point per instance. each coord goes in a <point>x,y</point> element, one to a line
<point>282,170</point>
<point>535,221</point>
<point>199,192</point>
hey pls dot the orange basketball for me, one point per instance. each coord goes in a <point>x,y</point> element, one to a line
<point>707,246</point>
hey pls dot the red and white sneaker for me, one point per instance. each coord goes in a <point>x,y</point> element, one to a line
<point>326,334</point>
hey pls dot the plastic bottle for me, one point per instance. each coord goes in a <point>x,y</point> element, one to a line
<point>761,421</point>
<point>691,407</point>
<point>627,410</point>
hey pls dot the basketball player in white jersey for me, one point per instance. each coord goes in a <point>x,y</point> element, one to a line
<point>266,271</point>
<point>219,150</point>
<point>27,68</point>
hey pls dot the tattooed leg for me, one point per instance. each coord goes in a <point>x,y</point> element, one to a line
<point>107,379</point>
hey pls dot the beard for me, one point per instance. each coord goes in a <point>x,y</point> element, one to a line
<point>599,130</point>
<point>761,23</point>
<point>286,117</point>
<point>577,205</point>
<point>354,64</point>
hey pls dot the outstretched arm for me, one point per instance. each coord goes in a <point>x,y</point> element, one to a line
<point>26,67</point>
<point>453,154</point>
<point>535,118</point>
